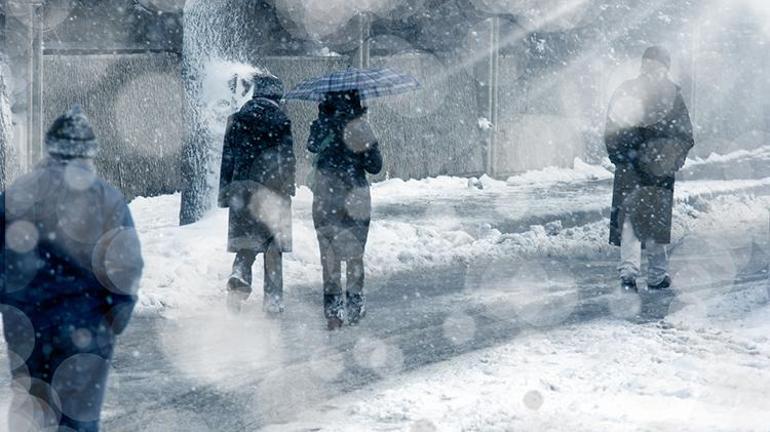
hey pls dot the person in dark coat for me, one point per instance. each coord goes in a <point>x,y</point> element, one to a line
<point>71,265</point>
<point>648,137</point>
<point>257,184</point>
<point>346,150</point>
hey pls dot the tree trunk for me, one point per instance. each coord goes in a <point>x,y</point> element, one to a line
<point>6,129</point>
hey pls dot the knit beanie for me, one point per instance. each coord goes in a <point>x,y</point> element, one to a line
<point>71,136</point>
<point>659,54</point>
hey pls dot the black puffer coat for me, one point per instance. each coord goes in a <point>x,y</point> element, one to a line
<point>257,179</point>
<point>347,150</point>
<point>648,136</point>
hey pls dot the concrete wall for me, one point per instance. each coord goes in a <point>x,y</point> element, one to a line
<point>539,124</point>
<point>433,131</point>
<point>427,133</point>
<point>134,103</point>
<point>551,103</point>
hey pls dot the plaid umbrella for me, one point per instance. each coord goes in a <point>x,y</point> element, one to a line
<point>370,83</point>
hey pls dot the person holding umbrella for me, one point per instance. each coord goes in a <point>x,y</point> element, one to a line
<point>346,151</point>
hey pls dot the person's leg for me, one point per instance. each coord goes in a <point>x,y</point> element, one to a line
<point>630,252</point>
<point>332,275</point>
<point>273,271</point>
<point>241,275</point>
<point>355,282</point>
<point>33,405</point>
<point>355,276</point>
<point>334,305</point>
<point>239,284</point>
<point>657,262</point>
<point>272,300</point>
<point>80,382</point>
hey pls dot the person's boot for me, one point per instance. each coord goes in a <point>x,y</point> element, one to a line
<point>665,283</point>
<point>628,285</point>
<point>334,311</point>
<point>240,278</point>
<point>236,282</point>
<point>272,304</point>
<point>356,307</point>
<point>238,290</point>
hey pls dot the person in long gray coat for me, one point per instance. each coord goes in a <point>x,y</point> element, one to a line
<point>71,264</point>
<point>257,184</point>
<point>346,150</point>
<point>648,137</point>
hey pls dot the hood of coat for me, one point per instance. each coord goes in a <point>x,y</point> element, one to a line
<point>268,86</point>
<point>345,106</point>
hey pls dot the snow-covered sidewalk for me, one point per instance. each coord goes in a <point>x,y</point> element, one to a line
<point>473,325</point>
<point>598,376</point>
<point>706,367</point>
<point>454,344</point>
<point>426,224</point>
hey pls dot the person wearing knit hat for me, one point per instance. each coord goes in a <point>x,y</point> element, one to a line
<point>71,136</point>
<point>70,265</point>
<point>648,137</point>
<point>659,55</point>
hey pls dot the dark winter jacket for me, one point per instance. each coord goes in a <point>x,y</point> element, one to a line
<point>346,150</point>
<point>648,137</point>
<point>257,179</point>
<point>70,255</point>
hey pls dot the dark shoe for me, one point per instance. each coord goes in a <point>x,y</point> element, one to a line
<point>272,304</point>
<point>334,311</point>
<point>628,285</point>
<point>356,307</point>
<point>237,283</point>
<point>666,283</point>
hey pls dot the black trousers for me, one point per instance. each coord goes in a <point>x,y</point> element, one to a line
<point>273,283</point>
<point>61,384</point>
<point>332,275</point>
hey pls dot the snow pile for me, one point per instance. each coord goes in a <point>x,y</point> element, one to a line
<point>434,187</point>
<point>225,87</point>
<point>187,266</point>
<point>581,171</point>
<point>761,153</point>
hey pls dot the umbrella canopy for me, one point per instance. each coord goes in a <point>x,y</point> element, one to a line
<point>370,83</point>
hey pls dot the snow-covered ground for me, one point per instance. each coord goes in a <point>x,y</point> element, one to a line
<point>706,367</point>
<point>423,224</point>
<point>599,376</point>
<point>491,309</point>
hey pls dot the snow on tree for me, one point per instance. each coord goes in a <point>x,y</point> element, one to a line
<point>212,43</point>
<point>6,129</point>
